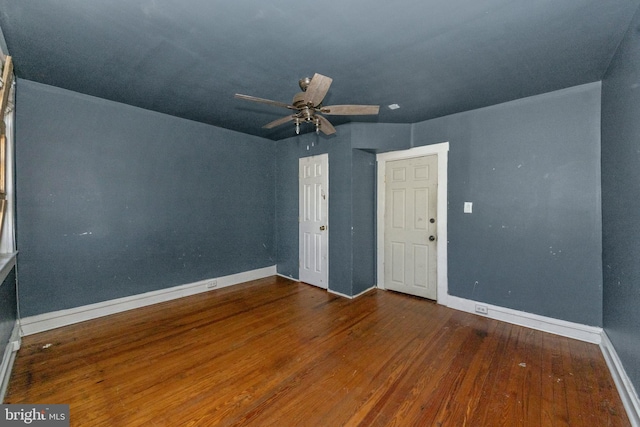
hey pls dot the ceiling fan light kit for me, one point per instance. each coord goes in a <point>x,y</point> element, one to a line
<point>308,106</point>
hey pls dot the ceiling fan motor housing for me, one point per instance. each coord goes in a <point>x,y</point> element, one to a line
<point>304,83</point>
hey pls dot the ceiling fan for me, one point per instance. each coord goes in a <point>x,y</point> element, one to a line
<point>307,106</point>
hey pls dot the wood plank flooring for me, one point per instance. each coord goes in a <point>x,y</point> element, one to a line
<point>281,353</point>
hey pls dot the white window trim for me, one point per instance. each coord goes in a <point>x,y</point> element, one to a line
<point>8,240</point>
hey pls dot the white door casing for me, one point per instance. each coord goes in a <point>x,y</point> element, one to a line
<point>441,150</point>
<point>313,220</point>
<point>410,226</point>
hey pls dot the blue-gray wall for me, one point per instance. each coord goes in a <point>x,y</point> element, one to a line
<point>338,148</point>
<point>621,201</point>
<point>114,200</point>
<point>352,173</point>
<point>531,167</point>
<point>363,214</point>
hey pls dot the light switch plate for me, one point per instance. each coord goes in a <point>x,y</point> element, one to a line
<point>468,207</point>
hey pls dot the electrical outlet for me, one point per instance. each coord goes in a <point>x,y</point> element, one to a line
<point>212,284</point>
<point>482,309</point>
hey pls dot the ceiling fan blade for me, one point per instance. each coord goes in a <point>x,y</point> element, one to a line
<point>350,110</point>
<point>264,101</point>
<point>325,127</point>
<point>279,122</point>
<point>317,89</point>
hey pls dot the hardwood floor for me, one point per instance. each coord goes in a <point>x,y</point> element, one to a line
<point>277,352</point>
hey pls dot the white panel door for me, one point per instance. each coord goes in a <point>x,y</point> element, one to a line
<point>314,222</point>
<point>410,226</point>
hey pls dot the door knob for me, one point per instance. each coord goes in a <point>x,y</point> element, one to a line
<point>432,238</point>
<point>322,228</point>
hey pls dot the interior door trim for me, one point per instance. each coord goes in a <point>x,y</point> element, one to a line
<point>442,151</point>
<point>324,279</point>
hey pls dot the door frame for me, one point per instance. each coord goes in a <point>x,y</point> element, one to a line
<point>325,158</point>
<point>442,151</point>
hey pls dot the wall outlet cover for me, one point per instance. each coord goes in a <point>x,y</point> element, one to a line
<point>482,309</point>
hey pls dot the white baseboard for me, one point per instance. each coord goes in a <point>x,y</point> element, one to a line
<point>288,277</point>
<point>577,331</point>
<point>623,383</point>
<point>340,294</point>
<point>7,360</point>
<point>47,321</point>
